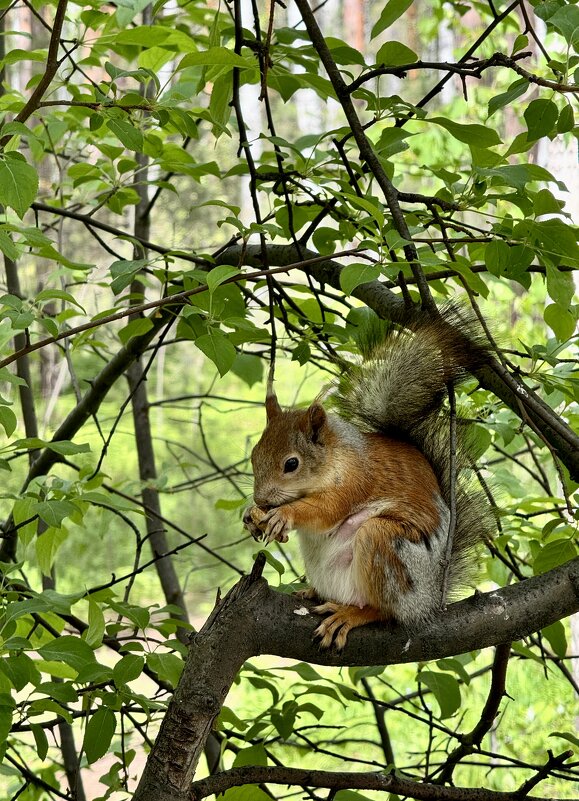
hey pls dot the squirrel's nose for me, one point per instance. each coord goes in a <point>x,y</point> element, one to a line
<point>262,502</point>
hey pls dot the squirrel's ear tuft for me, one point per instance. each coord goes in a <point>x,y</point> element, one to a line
<point>313,421</point>
<point>272,407</point>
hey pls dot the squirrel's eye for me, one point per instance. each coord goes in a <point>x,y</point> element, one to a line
<point>291,465</point>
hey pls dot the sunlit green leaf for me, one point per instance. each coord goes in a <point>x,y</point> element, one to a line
<point>99,733</point>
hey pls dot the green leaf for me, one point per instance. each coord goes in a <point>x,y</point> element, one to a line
<point>128,669</point>
<point>248,792</point>
<point>66,448</point>
<point>167,666</point>
<point>146,35</point>
<point>124,271</point>
<point>71,650</point>
<point>16,54</point>
<point>343,53</point>
<point>6,709</point>
<point>253,755</point>
<point>219,104</point>
<point>54,512</point>
<point>58,294</point>
<point>218,348</point>
<point>566,119</point>
<point>248,367</point>
<point>565,735</point>
<point>558,238</point>
<point>514,91</point>
<point>136,328</point>
<point>41,741</point>
<point>497,257</point>
<point>541,118</point>
<point>47,545</point>
<point>218,275</point>
<point>305,671</point>
<point>7,246</point>
<point>229,505</point>
<point>352,275</point>
<point>138,615</point>
<point>219,56</point>
<point>58,669</point>
<point>395,54</point>
<point>390,13</point>
<point>18,183</point>
<point>560,319</point>
<point>474,280</point>
<point>446,690</point>
<point>560,285</point>
<point>130,136</point>
<point>8,420</point>
<point>96,624</point>
<point>373,208</point>
<point>42,705</point>
<point>127,10</point>
<point>271,560</point>
<point>21,670</point>
<point>61,691</point>
<point>566,20</point>
<point>545,202</point>
<point>99,734</point>
<point>477,135</point>
<point>555,634</point>
<point>554,554</point>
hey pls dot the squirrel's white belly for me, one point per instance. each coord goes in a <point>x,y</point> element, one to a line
<point>329,567</point>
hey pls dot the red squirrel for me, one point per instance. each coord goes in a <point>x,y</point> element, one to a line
<point>367,489</point>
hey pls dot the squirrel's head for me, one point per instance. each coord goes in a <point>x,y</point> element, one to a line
<point>289,458</point>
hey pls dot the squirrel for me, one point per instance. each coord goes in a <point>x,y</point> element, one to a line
<point>368,488</point>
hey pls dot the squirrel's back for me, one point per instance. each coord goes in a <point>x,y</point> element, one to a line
<point>399,391</point>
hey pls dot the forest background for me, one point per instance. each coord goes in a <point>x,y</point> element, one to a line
<point>187,186</point>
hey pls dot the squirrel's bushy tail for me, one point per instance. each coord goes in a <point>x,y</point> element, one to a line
<point>399,391</point>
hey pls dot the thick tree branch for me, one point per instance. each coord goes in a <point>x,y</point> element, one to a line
<point>386,783</point>
<point>254,619</point>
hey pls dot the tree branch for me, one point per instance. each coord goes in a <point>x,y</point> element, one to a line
<point>386,783</point>
<point>254,619</point>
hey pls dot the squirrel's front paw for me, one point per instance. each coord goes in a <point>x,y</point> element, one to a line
<point>253,520</point>
<point>278,522</point>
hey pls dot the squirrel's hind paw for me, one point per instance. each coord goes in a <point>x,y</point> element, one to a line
<point>343,619</point>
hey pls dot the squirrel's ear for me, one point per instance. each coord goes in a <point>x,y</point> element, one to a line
<point>272,407</point>
<point>313,421</point>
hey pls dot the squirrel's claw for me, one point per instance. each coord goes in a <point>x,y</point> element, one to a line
<point>344,618</point>
<point>334,628</point>
<point>277,524</point>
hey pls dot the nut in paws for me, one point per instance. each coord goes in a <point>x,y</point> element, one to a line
<point>253,520</point>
